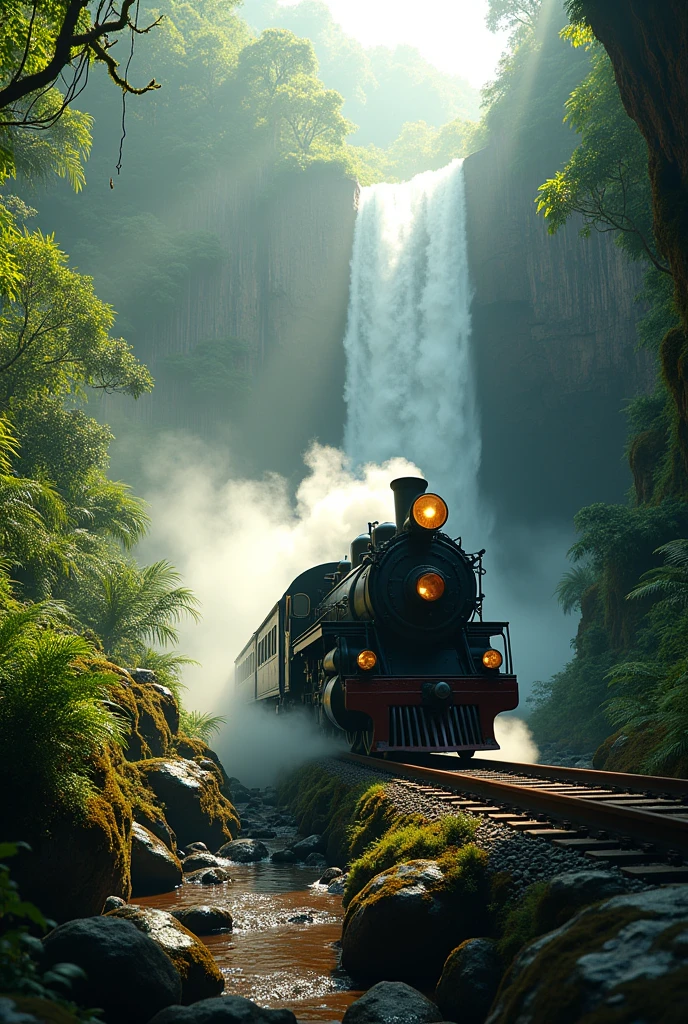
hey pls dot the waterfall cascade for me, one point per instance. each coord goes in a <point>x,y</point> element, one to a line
<point>410,388</point>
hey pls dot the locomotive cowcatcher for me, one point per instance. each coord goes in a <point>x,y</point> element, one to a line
<point>389,647</point>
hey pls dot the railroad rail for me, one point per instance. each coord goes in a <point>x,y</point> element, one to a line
<point>637,822</point>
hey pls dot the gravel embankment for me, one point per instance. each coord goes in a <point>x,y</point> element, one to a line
<point>527,858</point>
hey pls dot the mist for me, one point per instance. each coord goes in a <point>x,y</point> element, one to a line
<point>239,542</point>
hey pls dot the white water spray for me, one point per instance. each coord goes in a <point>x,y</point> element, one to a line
<point>410,387</point>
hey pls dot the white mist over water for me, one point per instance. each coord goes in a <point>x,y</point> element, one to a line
<point>410,386</point>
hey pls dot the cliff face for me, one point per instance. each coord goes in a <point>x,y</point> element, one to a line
<point>281,287</point>
<point>555,348</point>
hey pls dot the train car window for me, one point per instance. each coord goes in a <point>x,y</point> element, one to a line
<point>300,606</point>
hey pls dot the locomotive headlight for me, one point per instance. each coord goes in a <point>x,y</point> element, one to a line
<point>430,586</point>
<point>492,659</point>
<point>429,512</point>
<point>366,660</point>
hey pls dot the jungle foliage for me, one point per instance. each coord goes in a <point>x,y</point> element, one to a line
<point>629,668</point>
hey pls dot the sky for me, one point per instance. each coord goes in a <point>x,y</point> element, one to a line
<point>451,34</point>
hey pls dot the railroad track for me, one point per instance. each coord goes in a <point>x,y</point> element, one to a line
<point>636,822</point>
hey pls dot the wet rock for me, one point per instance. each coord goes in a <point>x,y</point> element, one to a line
<point>209,876</point>
<point>153,868</point>
<point>112,902</point>
<point>311,844</point>
<point>194,861</point>
<point>337,887</point>
<point>159,827</point>
<point>204,919</point>
<point>127,974</point>
<point>227,1010</point>
<point>406,920</point>
<point>270,799</point>
<point>244,851</point>
<point>197,848</point>
<point>194,805</point>
<point>301,919</point>
<point>625,959</point>
<point>240,794</point>
<point>568,893</point>
<point>469,982</point>
<point>284,857</point>
<point>392,1002</point>
<point>261,833</point>
<point>143,675</point>
<point>315,860</point>
<point>201,977</point>
<point>330,875</point>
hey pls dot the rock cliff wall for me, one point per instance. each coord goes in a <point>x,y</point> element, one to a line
<point>281,287</point>
<point>554,334</point>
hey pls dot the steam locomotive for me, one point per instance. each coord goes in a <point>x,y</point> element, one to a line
<point>389,647</point>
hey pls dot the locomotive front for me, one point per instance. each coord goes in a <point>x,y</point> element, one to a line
<point>399,657</point>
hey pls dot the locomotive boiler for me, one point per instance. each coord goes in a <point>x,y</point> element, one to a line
<point>389,647</point>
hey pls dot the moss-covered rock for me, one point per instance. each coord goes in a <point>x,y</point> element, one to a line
<point>201,977</point>
<point>80,860</point>
<point>469,982</point>
<point>193,804</point>
<point>34,1010</point>
<point>619,962</point>
<point>629,750</point>
<point>405,922</point>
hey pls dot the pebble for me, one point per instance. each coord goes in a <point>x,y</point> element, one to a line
<point>527,858</point>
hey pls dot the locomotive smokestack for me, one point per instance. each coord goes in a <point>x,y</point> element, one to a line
<point>406,490</point>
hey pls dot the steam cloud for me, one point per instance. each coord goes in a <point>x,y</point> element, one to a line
<point>515,741</point>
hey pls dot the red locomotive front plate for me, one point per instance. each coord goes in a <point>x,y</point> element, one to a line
<point>404,718</point>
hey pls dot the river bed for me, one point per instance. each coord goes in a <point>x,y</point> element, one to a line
<point>268,958</point>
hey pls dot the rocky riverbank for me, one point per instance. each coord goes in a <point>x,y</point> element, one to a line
<point>488,926</point>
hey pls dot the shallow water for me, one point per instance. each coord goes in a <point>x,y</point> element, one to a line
<point>266,957</point>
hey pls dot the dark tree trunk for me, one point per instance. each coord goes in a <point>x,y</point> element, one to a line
<point>647,41</point>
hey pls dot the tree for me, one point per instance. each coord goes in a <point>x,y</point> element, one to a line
<point>128,606</point>
<point>312,114</point>
<point>44,40</point>
<point>516,14</point>
<point>606,179</point>
<point>54,335</point>
<point>275,59</point>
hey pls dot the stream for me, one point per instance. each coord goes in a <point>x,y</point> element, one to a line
<point>268,958</point>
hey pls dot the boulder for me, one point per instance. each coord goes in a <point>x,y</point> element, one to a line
<point>337,887</point>
<point>197,847</point>
<point>228,1010</point>
<point>153,868</point>
<point>568,893</point>
<point>168,706</point>
<point>284,857</point>
<point>261,833</point>
<point>315,860</point>
<point>404,923</point>
<point>311,844</point>
<point>204,919</point>
<point>201,977</point>
<point>155,823</point>
<point>194,805</point>
<point>240,794</point>
<point>73,867</point>
<point>127,974</point>
<point>622,960</point>
<point>392,1002</point>
<point>194,861</point>
<point>209,876</point>
<point>112,902</point>
<point>244,851</point>
<point>469,982</point>
<point>330,875</point>
<point>143,675</point>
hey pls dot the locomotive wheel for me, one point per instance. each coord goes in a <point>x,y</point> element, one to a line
<point>465,757</point>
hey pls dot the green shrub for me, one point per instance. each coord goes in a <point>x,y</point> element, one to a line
<point>373,815</point>
<point>53,717</point>
<point>410,839</point>
<point>520,923</point>
<point>322,803</point>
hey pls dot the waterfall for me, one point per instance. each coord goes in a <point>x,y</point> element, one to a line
<point>410,387</point>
